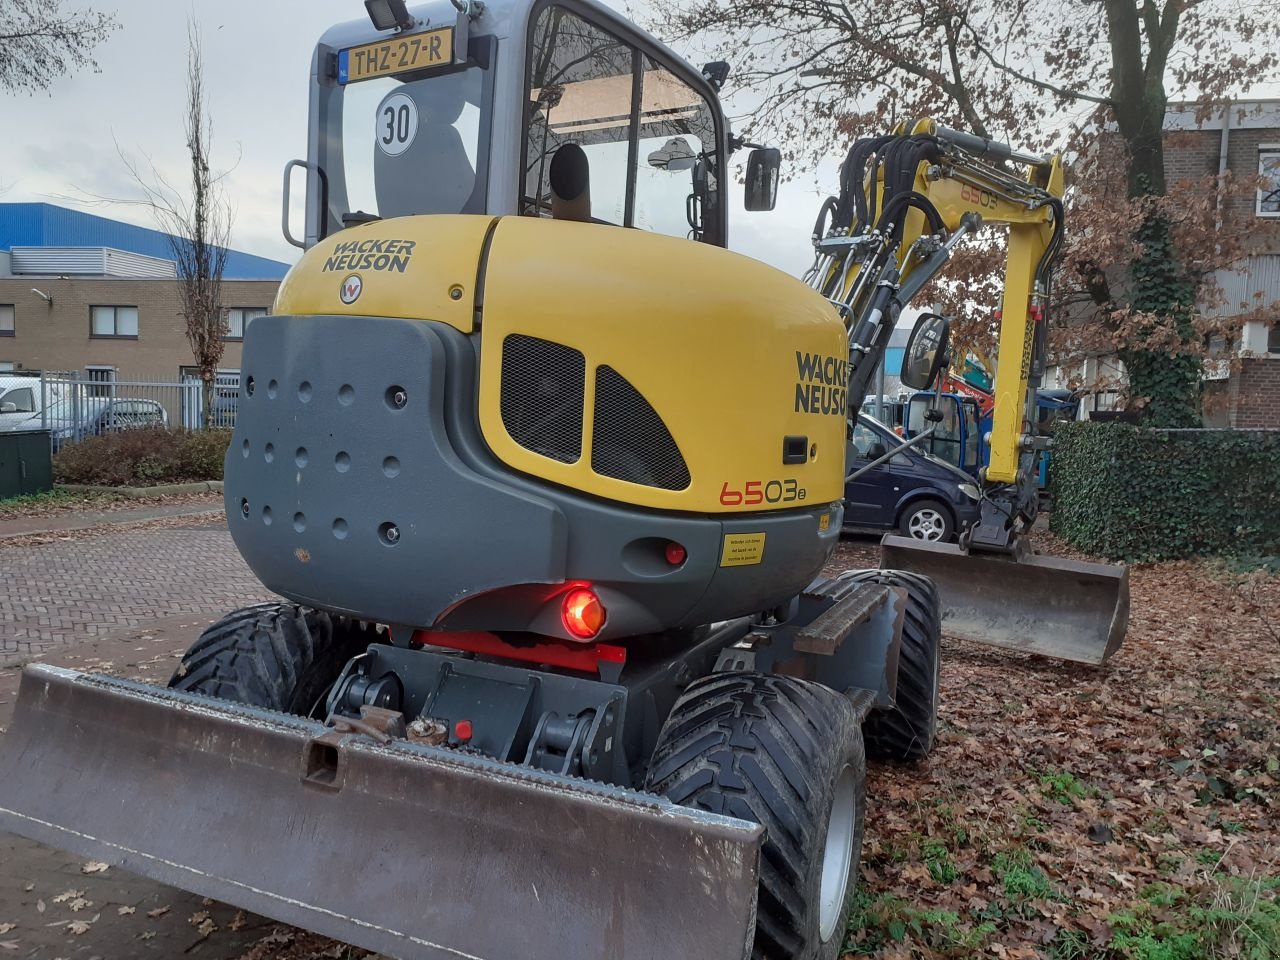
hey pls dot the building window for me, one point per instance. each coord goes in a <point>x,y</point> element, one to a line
<point>238,320</point>
<point>100,379</point>
<point>1269,171</point>
<point>114,322</point>
<point>1273,338</point>
<point>6,319</point>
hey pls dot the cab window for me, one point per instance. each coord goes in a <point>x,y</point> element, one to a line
<point>642,140</point>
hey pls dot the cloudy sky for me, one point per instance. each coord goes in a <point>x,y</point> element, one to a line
<point>60,146</point>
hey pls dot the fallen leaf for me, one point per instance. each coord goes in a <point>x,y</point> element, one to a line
<point>125,911</point>
<point>9,944</point>
<point>40,907</point>
<point>146,935</point>
<point>94,866</point>
<point>6,927</point>
<point>157,912</point>
<point>79,903</point>
<point>238,922</point>
<point>68,895</point>
<point>78,927</point>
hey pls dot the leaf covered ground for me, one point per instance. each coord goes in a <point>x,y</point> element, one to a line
<point>1129,812</point>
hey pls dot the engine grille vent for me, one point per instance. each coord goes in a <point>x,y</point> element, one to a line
<point>629,440</point>
<point>542,396</point>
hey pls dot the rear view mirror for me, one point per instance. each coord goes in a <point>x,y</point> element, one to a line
<point>8,408</point>
<point>926,352</point>
<point>763,167</point>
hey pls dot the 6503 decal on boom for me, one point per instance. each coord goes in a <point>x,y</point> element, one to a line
<point>820,384</point>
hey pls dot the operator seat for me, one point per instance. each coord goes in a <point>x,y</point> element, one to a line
<point>433,174</point>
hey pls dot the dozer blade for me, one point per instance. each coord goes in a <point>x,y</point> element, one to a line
<point>408,850</point>
<point>1068,609</point>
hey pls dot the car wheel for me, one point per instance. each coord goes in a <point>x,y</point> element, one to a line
<point>926,520</point>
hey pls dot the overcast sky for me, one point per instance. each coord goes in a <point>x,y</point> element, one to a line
<point>60,145</point>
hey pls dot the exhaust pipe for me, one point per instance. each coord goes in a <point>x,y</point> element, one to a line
<point>1066,609</point>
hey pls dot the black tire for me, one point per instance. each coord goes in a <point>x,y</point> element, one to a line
<point>939,519</point>
<point>772,750</point>
<point>907,732</point>
<point>279,656</point>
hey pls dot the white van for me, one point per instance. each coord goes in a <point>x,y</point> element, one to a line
<point>20,400</point>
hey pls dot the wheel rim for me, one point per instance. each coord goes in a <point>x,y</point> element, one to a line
<point>927,524</point>
<point>837,855</point>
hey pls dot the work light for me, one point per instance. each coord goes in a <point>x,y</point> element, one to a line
<point>389,14</point>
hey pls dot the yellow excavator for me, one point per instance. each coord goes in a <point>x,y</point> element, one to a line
<point>547,479</point>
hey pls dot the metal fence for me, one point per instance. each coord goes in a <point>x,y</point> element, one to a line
<point>72,406</point>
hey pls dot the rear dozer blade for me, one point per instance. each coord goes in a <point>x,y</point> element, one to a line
<point>409,850</point>
<point>1060,608</point>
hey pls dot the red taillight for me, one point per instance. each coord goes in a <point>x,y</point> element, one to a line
<point>462,731</point>
<point>676,554</point>
<point>583,613</point>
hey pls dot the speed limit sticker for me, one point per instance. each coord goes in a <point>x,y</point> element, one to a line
<point>397,124</point>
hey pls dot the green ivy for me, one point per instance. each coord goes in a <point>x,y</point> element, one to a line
<point>1168,383</point>
<point>1135,493</point>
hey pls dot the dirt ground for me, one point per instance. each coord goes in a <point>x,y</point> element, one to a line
<point>1128,812</point>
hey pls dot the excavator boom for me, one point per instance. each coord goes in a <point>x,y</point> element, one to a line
<point>906,201</point>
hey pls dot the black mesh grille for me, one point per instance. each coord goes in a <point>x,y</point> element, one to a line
<point>630,441</point>
<point>542,396</point>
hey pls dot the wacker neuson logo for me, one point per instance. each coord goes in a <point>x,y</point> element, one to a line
<point>351,287</point>
<point>389,255</point>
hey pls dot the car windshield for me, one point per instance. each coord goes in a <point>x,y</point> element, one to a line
<point>404,144</point>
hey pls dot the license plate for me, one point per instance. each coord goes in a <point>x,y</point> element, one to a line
<point>402,55</point>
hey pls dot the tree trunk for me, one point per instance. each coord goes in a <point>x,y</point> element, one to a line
<point>206,398</point>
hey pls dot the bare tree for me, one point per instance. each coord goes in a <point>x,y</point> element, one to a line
<point>198,226</point>
<point>1042,73</point>
<point>39,42</point>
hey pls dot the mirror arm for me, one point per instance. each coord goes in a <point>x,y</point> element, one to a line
<point>918,438</point>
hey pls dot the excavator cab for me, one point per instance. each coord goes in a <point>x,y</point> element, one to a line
<point>462,111</point>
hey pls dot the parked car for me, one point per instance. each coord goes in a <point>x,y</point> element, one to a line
<point>69,420</point>
<point>912,492</point>
<point>20,398</point>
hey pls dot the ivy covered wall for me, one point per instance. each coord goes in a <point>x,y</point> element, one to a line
<point>1134,493</point>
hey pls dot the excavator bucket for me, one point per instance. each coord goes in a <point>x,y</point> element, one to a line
<point>1067,609</point>
<point>405,849</point>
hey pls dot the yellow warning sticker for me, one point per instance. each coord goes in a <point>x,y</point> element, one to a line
<point>824,522</point>
<point>742,549</point>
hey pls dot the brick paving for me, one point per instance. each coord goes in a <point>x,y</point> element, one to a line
<point>56,594</point>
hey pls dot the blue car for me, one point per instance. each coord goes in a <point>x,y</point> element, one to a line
<point>912,492</point>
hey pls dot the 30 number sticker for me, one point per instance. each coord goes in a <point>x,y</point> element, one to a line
<point>397,124</point>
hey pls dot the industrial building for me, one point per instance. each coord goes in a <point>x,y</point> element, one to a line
<point>88,295</point>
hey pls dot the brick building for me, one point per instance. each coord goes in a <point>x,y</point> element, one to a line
<point>84,293</point>
<point>1241,385</point>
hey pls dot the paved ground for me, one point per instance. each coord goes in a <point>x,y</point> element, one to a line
<point>78,588</point>
<point>129,602</point>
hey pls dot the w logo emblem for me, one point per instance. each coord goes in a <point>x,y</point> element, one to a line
<point>351,288</point>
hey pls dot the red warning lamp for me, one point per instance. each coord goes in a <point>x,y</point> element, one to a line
<point>676,553</point>
<point>583,613</point>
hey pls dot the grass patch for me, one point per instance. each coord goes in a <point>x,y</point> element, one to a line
<point>37,504</point>
<point>1022,880</point>
<point>1063,786</point>
<point>879,921</point>
<point>938,860</point>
